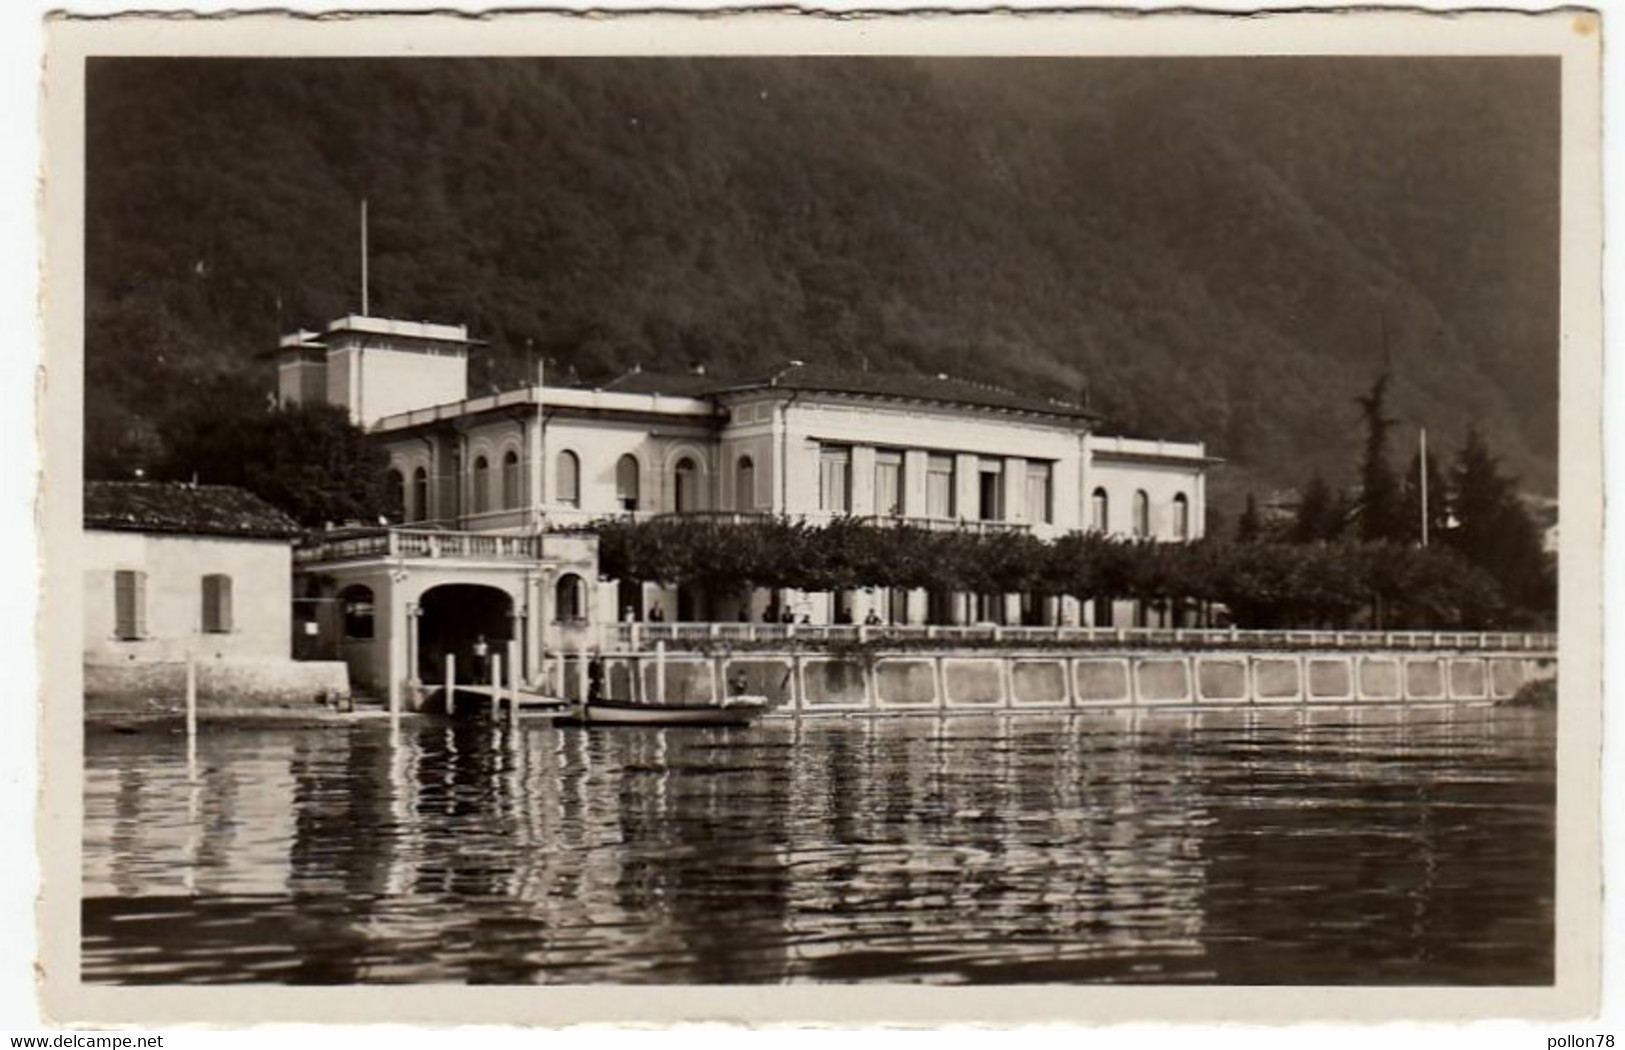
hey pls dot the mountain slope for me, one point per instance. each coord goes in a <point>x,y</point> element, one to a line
<point>1222,249</point>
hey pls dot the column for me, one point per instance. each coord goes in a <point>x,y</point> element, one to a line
<point>1198,508</point>
<point>1082,503</point>
<point>414,639</point>
<point>516,632</point>
<point>395,645</point>
<point>536,624</point>
<point>967,479</point>
<point>1014,481</point>
<point>915,465</point>
<point>863,480</point>
<point>535,468</point>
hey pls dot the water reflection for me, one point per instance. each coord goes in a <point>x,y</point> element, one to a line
<point>1264,847</point>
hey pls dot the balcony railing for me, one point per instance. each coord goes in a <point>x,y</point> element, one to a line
<point>679,635</point>
<point>824,517</point>
<point>419,543</point>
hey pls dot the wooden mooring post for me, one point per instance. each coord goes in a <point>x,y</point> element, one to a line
<point>191,719</point>
<point>660,672</point>
<point>513,682</point>
<point>451,683</point>
<point>496,688</point>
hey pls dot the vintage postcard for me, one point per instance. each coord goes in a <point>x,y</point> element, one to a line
<point>914,518</point>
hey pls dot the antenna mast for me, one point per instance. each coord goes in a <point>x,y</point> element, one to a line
<point>364,310</point>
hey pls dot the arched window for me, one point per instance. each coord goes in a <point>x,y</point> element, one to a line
<point>482,485</point>
<point>627,482</point>
<point>570,598</point>
<point>419,511</point>
<point>568,486</point>
<point>355,603</point>
<point>510,480</point>
<point>745,484</point>
<point>685,486</point>
<point>1182,517</point>
<point>451,488</point>
<point>395,496</point>
<point>1100,511</point>
<point>1142,514</point>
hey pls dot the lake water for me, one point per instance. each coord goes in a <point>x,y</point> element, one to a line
<point>1323,847</point>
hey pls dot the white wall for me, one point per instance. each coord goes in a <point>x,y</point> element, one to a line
<point>1161,482</point>
<point>599,444</point>
<point>390,381</point>
<point>261,596</point>
<point>968,434</point>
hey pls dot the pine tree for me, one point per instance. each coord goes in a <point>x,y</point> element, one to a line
<point>1495,532</point>
<point>1379,507</point>
<point>1320,514</point>
<point>1249,527</point>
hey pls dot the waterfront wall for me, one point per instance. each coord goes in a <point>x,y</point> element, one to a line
<point>158,687</point>
<point>969,680</point>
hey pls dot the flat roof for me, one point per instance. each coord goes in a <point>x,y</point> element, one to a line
<point>445,333</point>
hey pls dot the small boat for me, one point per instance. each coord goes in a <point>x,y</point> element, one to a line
<point>733,711</point>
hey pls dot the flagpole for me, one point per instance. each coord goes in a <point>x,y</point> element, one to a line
<point>364,311</point>
<point>1422,438</point>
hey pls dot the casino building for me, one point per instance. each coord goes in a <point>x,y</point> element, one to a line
<point>494,495</point>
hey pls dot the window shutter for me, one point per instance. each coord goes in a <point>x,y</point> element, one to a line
<point>129,604</point>
<point>217,603</point>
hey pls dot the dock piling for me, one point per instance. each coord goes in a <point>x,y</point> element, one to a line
<point>513,681</point>
<point>660,672</point>
<point>496,688</point>
<point>191,718</point>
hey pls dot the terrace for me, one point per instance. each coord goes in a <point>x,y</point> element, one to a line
<point>737,517</point>
<point>365,545</point>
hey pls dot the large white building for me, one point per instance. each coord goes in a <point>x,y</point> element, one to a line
<point>496,491</point>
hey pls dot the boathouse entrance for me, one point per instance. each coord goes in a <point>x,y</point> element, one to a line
<point>453,618</point>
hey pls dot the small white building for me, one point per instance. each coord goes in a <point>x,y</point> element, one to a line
<point>799,440</point>
<point>199,574</point>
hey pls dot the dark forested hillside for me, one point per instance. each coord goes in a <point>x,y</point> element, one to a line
<point>1223,249</point>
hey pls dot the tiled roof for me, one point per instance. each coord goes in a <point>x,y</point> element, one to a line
<point>672,384</point>
<point>176,507</point>
<point>942,389</point>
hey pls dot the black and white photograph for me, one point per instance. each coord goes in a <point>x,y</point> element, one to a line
<point>613,506</point>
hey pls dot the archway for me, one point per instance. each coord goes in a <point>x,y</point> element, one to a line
<point>453,619</point>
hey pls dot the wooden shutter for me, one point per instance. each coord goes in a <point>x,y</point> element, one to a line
<point>130,604</point>
<point>217,603</point>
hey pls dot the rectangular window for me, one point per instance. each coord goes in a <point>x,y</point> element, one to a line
<point>888,483</point>
<point>939,487</point>
<point>217,603</point>
<point>835,479</point>
<point>130,604</point>
<point>1040,497</point>
<point>990,489</point>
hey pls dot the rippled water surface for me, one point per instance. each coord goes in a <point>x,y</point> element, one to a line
<point>1367,847</point>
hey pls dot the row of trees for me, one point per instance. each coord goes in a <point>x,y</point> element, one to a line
<point>1263,584</point>
<point>1472,508</point>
